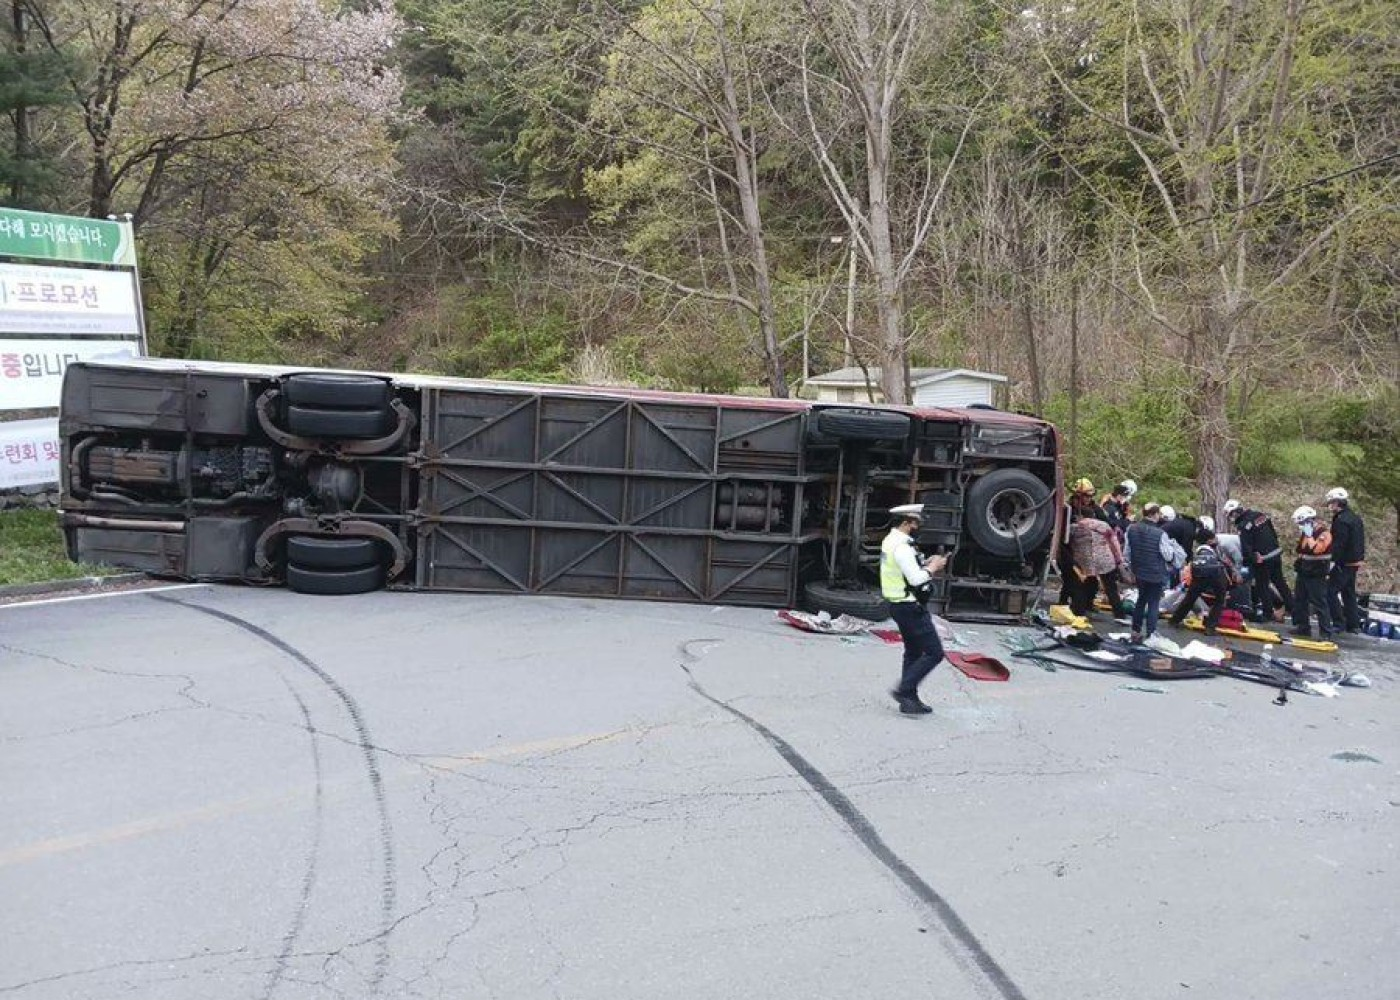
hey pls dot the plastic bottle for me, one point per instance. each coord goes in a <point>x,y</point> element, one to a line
<point>1268,655</point>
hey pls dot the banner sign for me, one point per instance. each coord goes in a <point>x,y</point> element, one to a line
<point>31,371</point>
<point>29,453</point>
<point>58,300</point>
<point>41,236</point>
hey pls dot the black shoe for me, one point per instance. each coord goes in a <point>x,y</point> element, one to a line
<point>910,704</point>
<point>1209,630</point>
<point>1353,631</point>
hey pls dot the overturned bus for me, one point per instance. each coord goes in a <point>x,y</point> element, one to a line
<point>334,482</point>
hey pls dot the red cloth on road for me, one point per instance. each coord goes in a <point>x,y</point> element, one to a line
<point>979,666</point>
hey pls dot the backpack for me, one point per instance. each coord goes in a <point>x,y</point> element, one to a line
<point>1206,564</point>
<point>1231,618</point>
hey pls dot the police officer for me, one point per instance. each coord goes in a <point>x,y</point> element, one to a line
<point>903,572</point>
<point>1348,553</point>
<point>1263,554</point>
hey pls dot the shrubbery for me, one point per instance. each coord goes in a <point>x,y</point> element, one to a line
<point>1142,433</point>
<point>1371,467</point>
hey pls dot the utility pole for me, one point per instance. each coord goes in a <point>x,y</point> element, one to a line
<point>21,112</point>
<point>847,355</point>
<point>1074,376</point>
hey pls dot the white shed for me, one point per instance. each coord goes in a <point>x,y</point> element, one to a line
<point>932,386</point>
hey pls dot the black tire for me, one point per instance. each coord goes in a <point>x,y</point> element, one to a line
<point>336,392</point>
<point>845,597</point>
<point>852,424</point>
<point>334,581</point>
<point>315,552</point>
<point>353,424</point>
<point>1009,513</point>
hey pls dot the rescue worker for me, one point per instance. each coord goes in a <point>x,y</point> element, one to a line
<point>1181,527</point>
<point>1080,504</point>
<point>1117,507</point>
<point>1169,515</point>
<point>1209,576</point>
<point>1228,545</point>
<point>1151,556</point>
<point>1259,545</point>
<point>902,573</point>
<point>1081,498</point>
<point>1312,566</point>
<point>1348,553</point>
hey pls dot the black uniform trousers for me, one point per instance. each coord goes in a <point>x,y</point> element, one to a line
<point>1311,593</point>
<point>1218,587</point>
<point>922,648</point>
<point>1269,574</point>
<point>1083,594</point>
<point>1341,598</point>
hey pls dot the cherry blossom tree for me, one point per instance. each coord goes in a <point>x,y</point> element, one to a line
<point>225,126</point>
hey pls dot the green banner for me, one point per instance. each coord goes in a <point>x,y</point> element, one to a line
<point>40,236</point>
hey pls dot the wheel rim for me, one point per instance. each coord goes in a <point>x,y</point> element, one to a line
<point>1011,513</point>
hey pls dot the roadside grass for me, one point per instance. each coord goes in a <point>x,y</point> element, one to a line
<point>1305,460</point>
<point>31,549</point>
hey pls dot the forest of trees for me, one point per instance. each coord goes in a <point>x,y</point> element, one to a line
<point>1172,222</point>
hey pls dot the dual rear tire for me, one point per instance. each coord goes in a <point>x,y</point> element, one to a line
<point>326,565</point>
<point>328,405</point>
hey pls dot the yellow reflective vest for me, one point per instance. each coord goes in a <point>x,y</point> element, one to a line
<point>893,585</point>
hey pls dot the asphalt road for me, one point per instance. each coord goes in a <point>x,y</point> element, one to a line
<point>232,793</point>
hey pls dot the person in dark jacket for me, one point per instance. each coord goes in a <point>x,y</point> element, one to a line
<point>1117,507</point>
<point>1313,564</point>
<point>1181,528</point>
<point>1209,576</point>
<point>1263,555</point>
<point>1348,553</point>
<point>1151,556</point>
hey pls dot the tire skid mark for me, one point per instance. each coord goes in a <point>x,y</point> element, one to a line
<point>369,751</point>
<point>989,978</point>
<point>313,854</point>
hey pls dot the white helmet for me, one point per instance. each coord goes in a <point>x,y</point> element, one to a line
<point>1208,523</point>
<point>1168,512</point>
<point>1231,506</point>
<point>1130,486</point>
<point>1337,493</point>
<point>1304,513</point>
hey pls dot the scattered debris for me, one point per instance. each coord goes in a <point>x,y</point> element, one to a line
<point>824,624</point>
<point>1352,757</point>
